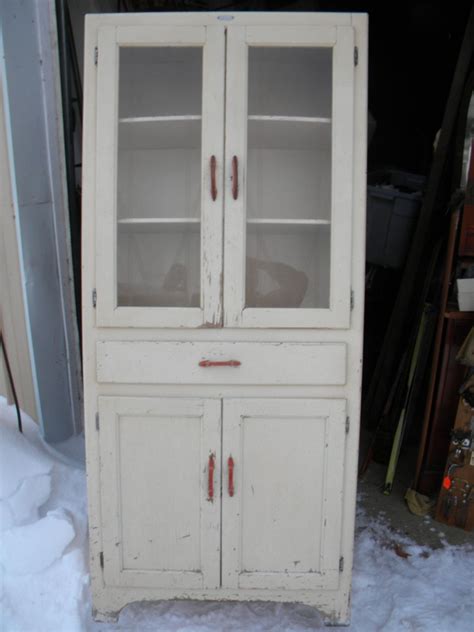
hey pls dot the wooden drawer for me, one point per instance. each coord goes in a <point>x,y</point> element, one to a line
<point>170,362</point>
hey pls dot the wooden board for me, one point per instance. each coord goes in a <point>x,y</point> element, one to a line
<point>450,378</point>
<point>456,502</point>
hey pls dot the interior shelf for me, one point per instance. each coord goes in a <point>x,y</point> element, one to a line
<point>160,119</point>
<point>289,132</point>
<point>289,119</point>
<point>160,132</point>
<point>159,224</point>
<point>286,225</point>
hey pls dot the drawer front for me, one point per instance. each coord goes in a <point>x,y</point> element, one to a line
<point>170,362</point>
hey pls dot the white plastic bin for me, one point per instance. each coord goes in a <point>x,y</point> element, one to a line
<point>466,295</point>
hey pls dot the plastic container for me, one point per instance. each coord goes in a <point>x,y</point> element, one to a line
<point>466,295</point>
<point>393,203</point>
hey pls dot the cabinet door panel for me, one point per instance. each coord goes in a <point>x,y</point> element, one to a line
<point>282,526</point>
<point>159,216</point>
<point>160,529</point>
<point>289,114</point>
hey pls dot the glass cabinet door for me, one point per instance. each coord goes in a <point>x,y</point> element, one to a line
<point>289,164</point>
<point>159,176</point>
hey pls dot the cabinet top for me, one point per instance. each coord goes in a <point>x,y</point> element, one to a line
<point>226,18</point>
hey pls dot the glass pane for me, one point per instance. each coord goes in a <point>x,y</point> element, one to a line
<point>158,268</point>
<point>289,177</point>
<point>290,81</point>
<point>163,81</point>
<point>159,177</point>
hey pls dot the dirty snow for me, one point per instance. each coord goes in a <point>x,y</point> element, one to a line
<point>398,585</point>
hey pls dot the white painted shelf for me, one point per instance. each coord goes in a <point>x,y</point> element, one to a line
<point>286,226</point>
<point>159,224</point>
<point>289,119</point>
<point>160,132</point>
<point>160,119</point>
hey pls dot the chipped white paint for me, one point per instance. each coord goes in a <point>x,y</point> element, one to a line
<point>341,40</point>
<point>160,417</point>
<point>211,39</point>
<point>282,527</point>
<point>159,529</point>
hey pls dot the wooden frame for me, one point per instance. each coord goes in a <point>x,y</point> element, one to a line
<point>110,39</point>
<point>341,40</point>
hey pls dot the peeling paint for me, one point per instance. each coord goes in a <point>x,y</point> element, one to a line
<point>209,325</point>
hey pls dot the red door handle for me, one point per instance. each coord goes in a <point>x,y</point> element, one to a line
<point>207,363</point>
<point>230,473</point>
<point>210,477</point>
<point>235,178</point>
<point>213,178</point>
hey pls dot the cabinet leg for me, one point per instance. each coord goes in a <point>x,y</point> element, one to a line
<point>105,616</point>
<point>339,617</point>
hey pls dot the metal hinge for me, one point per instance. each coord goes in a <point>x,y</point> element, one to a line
<point>341,564</point>
<point>356,55</point>
<point>97,422</point>
<point>348,424</point>
<point>352,300</point>
<point>96,55</point>
<point>94,297</point>
<point>101,559</point>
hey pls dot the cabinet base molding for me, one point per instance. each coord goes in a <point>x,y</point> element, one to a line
<point>333,606</point>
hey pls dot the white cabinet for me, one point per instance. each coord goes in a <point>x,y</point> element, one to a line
<point>281,482</point>
<point>223,258</point>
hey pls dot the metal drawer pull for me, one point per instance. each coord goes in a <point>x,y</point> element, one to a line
<point>210,478</point>
<point>207,363</point>
<point>230,482</point>
<point>235,178</point>
<point>213,178</point>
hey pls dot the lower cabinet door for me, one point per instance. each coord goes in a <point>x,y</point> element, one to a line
<point>283,464</point>
<point>160,491</point>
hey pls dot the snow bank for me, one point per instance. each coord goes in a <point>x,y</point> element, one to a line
<point>398,586</point>
<point>19,458</point>
<point>43,534</point>
<point>34,547</point>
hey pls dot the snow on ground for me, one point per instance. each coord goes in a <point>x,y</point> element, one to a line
<point>398,586</point>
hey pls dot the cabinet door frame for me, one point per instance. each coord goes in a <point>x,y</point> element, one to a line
<point>341,40</point>
<point>111,408</point>
<point>331,412</point>
<point>212,41</point>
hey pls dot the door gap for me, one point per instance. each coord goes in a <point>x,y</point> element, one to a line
<point>221,490</point>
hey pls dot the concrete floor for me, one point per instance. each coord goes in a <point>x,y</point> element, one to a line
<point>393,509</point>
